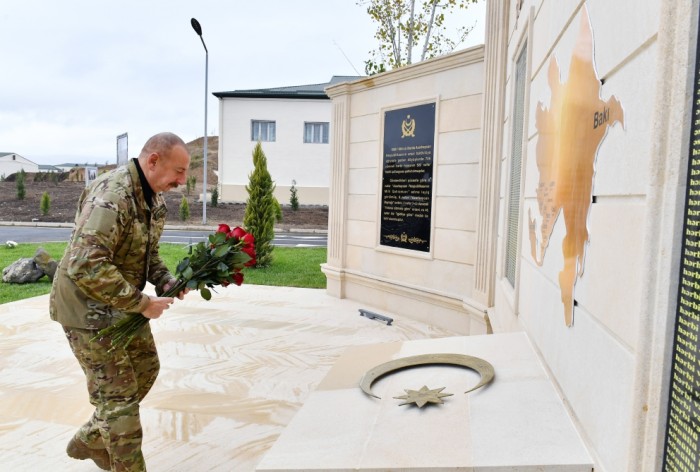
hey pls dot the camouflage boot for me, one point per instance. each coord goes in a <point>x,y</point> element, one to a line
<point>78,450</point>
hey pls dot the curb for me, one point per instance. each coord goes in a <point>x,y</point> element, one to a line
<point>47,224</point>
<point>36,224</point>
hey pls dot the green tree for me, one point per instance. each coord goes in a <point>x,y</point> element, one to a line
<point>21,189</point>
<point>190,183</point>
<point>408,28</point>
<point>184,209</point>
<point>215,197</point>
<point>293,199</point>
<point>259,219</point>
<point>45,204</point>
<point>278,211</point>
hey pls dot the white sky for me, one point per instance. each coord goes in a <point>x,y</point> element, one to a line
<point>74,74</point>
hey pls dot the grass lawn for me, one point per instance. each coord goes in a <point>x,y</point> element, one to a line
<point>291,267</point>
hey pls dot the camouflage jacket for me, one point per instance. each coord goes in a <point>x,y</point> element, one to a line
<point>112,252</point>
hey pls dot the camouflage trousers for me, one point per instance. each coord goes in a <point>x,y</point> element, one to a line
<point>117,381</point>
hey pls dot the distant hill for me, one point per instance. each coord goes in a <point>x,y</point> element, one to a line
<point>196,148</point>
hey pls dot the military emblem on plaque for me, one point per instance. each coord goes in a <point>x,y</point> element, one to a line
<point>408,127</point>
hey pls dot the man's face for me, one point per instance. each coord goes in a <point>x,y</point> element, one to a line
<point>171,171</point>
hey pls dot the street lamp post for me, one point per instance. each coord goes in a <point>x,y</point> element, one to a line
<point>198,29</point>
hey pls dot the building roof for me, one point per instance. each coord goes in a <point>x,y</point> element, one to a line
<point>311,91</point>
<point>4,157</point>
<point>75,164</point>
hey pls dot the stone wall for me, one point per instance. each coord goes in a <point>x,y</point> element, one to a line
<point>434,283</point>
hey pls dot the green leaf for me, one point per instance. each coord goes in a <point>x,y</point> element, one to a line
<point>240,258</point>
<point>192,284</point>
<point>182,265</point>
<point>217,238</point>
<point>187,273</point>
<point>206,294</point>
<point>221,251</point>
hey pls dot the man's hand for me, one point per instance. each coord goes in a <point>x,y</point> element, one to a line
<point>156,306</point>
<point>172,282</point>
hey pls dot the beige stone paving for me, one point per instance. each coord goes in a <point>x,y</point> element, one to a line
<point>234,372</point>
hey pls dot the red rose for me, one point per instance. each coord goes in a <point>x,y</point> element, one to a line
<point>223,228</point>
<point>250,250</point>
<point>248,239</point>
<point>238,232</point>
<point>238,278</point>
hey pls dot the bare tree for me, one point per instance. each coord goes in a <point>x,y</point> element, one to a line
<point>405,25</point>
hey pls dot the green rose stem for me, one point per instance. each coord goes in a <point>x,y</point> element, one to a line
<point>124,330</point>
<point>218,263</point>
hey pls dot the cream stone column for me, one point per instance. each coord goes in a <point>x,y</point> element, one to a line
<point>334,268</point>
<point>678,29</point>
<point>495,51</point>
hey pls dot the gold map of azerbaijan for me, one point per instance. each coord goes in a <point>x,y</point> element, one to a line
<point>569,133</point>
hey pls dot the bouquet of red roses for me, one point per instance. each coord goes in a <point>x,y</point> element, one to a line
<point>217,263</point>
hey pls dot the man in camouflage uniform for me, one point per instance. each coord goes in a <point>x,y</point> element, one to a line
<point>112,252</point>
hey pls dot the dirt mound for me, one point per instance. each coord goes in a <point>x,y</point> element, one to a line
<point>64,196</point>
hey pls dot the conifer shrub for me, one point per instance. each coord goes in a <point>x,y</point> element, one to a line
<point>215,197</point>
<point>259,219</point>
<point>293,199</point>
<point>45,204</point>
<point>190,183</point>
<point>19,182</point>
<point>278,211</point>
<point>184,209</point>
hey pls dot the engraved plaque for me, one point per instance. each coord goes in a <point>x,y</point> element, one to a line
<point>682,447</point>
<point>407,177</point>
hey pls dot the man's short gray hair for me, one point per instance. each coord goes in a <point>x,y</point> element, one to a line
<point>162,143</point>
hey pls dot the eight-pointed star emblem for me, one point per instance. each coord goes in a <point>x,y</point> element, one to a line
<point>423,396</point>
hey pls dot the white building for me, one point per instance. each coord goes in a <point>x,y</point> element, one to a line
<point>68,166</point>
<point>51,169</point>
<point>293,126</point>
<point>11,162</point>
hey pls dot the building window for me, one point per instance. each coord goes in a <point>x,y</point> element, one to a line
<point>316,133</point>
<point>513,223</point>
<point>262,130</point>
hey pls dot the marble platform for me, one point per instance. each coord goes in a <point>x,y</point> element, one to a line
<point>234,371</point>
<point>515,424</point>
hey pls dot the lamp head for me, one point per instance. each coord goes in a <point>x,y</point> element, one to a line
<point>196,26</point>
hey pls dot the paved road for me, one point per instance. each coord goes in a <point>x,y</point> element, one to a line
<point>281,239</point>
<point>42,234</point>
